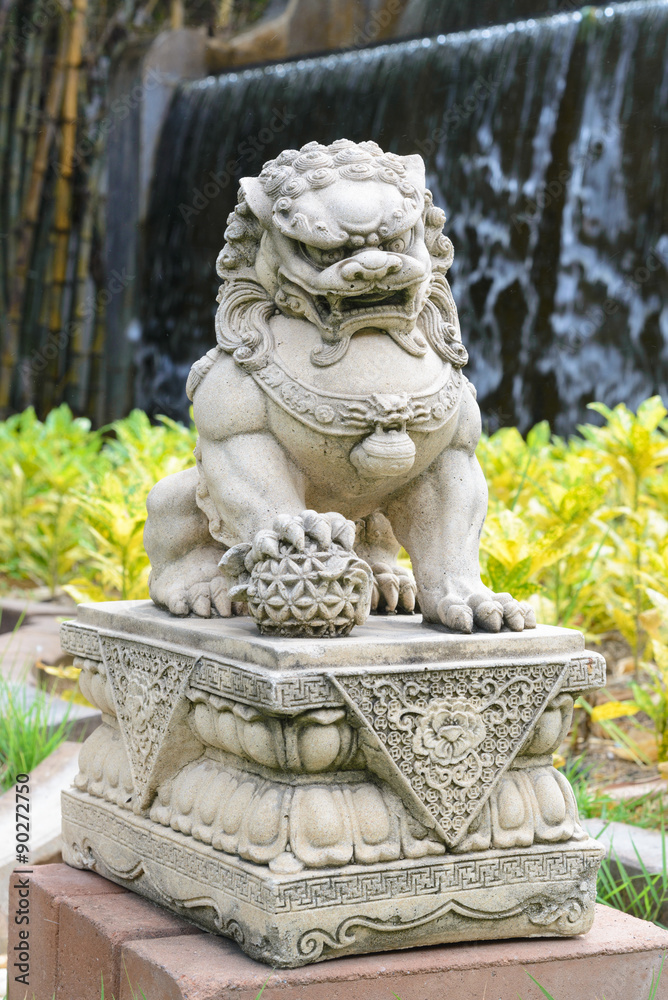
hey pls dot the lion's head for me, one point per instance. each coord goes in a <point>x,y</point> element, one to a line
<point>344,236</point>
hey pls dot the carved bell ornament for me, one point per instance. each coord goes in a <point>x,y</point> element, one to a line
<point>384,453</point>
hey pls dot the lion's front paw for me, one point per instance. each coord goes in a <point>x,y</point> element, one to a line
<point>489,612</point>
<point>302,577</point>
<point>192,584</point>
<point>393,589</point>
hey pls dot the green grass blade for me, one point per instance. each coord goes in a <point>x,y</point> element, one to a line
<point>655,985</point>
<point>264,985</point>
<point>541,988</point>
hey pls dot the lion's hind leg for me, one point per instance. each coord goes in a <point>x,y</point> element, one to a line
<point>394,588</point>
<point>185,576</point>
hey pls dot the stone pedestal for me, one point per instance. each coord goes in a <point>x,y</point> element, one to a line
<point>318,798</point>
<point>86,931</point>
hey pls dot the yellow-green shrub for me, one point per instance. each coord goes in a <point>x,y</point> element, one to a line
<point>72,500</point>
<point>580,527</point>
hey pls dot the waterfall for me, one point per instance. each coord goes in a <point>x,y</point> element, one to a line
<point>546,144</point>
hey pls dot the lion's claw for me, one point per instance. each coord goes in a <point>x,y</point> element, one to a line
<point>177,604</point>
<point>488,612</point>
<point>529,614</point>
<point>455,615</point>
<point>407,593</point>
<point>193,585</point>
<point>220,599</point>
<point>202,599</point>
<point>199,599</point>
<point>320,528</point>
<point>393,589</point>
<point>513,615</point>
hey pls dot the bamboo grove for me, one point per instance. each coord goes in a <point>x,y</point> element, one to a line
<point>55,60</point>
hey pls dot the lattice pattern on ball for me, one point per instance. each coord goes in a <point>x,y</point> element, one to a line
<point>302,577</point>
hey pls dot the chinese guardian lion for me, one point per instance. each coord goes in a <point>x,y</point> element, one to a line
<point>334,421</point>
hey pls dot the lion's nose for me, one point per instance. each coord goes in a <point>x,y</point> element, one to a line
<point>370,266</point>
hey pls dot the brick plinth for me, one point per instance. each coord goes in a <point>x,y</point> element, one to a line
<point>83,928</point>
<point>78,924</point>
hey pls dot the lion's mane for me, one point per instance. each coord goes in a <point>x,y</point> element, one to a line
<point>245,307</point>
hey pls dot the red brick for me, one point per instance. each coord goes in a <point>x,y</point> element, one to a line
<point>616,960</point>
<point>91,933</point>
<point>49,886</point>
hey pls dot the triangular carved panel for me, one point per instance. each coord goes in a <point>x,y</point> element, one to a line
<point>148,684</point>
<point>443,738</point>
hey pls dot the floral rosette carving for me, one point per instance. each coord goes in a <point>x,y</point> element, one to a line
<point>445,744</point>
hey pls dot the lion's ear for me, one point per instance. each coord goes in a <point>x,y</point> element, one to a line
<point>415,169</point>
<point>260,204</point>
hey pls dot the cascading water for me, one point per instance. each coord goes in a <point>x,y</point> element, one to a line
<point>546,143</point>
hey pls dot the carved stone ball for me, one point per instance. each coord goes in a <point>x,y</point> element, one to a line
<point>303,577</point>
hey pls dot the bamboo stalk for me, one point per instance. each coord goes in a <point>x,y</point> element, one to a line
<point>62,227</point>
<point>42,344</point>
<point>176,14</point>
<point>96,405</point>
<point>143,16</point>
<point>33,112</point>
<point>79,360</point>
<point>61,336</point>
<point>225,8</point>
<point>5,9</point>
<point>6,74</point>
<point>18,150</point>
<point>29,220</point>
<point>34,314</point>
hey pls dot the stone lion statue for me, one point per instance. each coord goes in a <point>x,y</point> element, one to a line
<point>335,423</point>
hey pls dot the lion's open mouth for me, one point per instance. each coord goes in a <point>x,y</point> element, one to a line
<point>361,302</point>
<point>334,310</point>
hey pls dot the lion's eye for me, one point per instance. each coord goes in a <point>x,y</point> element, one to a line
<point>396,245</point>
<point>334,255</point>
<point>324,258</point>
